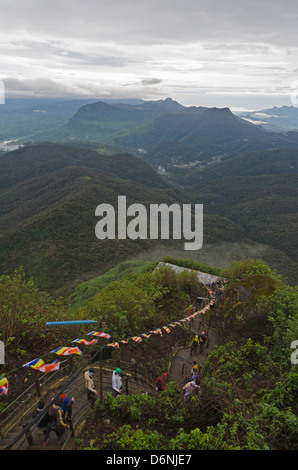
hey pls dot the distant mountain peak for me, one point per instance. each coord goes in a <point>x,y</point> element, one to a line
<point>221,110</point>
<point>166,101</point>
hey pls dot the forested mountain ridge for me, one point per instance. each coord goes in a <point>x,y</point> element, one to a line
<point>259,190</point>
<point>141,128</point>
<point>48,198</point>
<point>48,201</point>
<point>41,159</point>
<point>201,153</point>
<point>100,120</point>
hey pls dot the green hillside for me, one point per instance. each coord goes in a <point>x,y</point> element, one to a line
<point>47,222</point>
<point>258,191</point>
<point>42,159</point>
<point>47,214</point>
<point>270,162</point>
<point>89,289</point>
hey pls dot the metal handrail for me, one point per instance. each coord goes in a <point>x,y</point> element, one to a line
<point>28,430</point>
<point>31,391</point>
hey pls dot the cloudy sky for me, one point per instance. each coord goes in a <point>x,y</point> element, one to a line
<point>243,55</point>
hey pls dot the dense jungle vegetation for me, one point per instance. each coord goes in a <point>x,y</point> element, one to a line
<point>248,398</point>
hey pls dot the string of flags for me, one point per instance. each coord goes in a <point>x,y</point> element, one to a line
<point>159,331</point>
<point>41,366</point>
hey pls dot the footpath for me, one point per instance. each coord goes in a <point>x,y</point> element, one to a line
<point>182,362</point>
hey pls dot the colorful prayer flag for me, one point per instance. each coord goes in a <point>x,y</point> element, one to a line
<point>67,351</point>
<point>50,367</point>
<point>158,330</point>
<point>84,341</point>
<point>35,364</point>
<point>114,345</point>
<point>137,339</point>
<point>3,386</point>
<point>100,334</point>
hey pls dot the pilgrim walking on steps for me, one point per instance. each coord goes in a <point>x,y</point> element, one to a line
<point>116,382</point>
<point>91,392</point>
<point>161,382</point>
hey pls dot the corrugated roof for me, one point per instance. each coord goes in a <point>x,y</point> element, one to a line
<point>204,277</point>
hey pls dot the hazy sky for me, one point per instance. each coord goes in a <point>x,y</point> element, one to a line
<point>240,54</point>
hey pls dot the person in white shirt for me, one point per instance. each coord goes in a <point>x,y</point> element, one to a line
<point>116,382</point>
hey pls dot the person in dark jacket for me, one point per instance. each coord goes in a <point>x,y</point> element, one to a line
<point>57,423</point>
<point>202,340</point>
<point>195,343</point>
<point>66,406</point>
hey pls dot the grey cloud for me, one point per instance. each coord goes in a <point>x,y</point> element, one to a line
<point>150,21</point>
<point>41,87</point>
<point>151,81</point>
<point>38,87</point>
<point>65,53</point>
<point>246,47</point>
<point>107,46</point>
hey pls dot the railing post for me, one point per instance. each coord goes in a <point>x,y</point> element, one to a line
<point>71,429</point>
<point>38,387</point>
<point>101,378</point>
<point>28,435</point>
<point>126,386</point>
